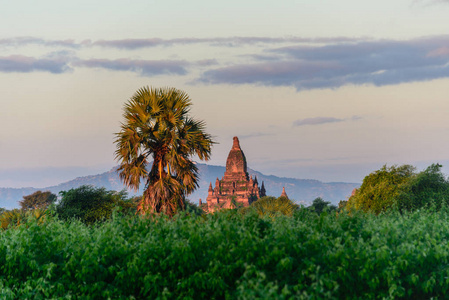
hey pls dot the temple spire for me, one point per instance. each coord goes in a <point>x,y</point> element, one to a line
<point>210,191</point>
<point>236,163</point>
<point>284,194</point>
<point>236,144</point>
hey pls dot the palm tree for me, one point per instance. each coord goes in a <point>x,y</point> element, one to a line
<point>158,127</point>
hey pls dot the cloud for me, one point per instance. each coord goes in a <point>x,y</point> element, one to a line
<point>381,62</point>
<point>302,63</point>
<point>131,44</point>
<point>206,62</point>
<point>430,2</point>
<point>355,118</point>
<point>442,51</point>
<point>143,67</point>
<point>268,73</point>
<point>24,64</point>
<point>24,41</point>
<point>254,134</point>
<point>316,121</point>
<point>323,120</point>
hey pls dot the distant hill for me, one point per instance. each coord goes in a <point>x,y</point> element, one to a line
<point>300,190</point>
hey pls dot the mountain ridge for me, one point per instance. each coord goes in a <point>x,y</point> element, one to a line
<point>301,190</point>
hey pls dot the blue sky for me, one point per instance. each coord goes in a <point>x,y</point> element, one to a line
<point>314,89</point>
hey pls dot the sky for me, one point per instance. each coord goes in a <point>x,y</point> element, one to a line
<point>327,90</point>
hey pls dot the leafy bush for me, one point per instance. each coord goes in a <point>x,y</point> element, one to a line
<point>17,217</point>
<point>230,255</point>
<point>13,217</point>
<point>193,209</point>
<point>402,188</point>
<point>38,199</point>
<point>319,205</point>
<point>90,204</point>
<point>428,188</point>
<point>380,189</point>
<point>270,206</point>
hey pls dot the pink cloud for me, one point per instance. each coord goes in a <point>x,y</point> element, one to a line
<point>442,51</point>
<point>26,64</point>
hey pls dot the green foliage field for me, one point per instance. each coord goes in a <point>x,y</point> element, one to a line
<point>229,255</point>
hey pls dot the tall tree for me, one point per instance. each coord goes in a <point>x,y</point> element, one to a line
<point>157,127</point>
<point>89,204</point>
<point>380,190</point>
<point>427,188</point>
<point>38,199</point>
<point>319,205</point>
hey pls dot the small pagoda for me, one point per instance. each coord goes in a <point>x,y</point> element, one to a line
<point>236,187</point>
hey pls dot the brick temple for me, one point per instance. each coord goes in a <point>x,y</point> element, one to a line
<point>236,184</point>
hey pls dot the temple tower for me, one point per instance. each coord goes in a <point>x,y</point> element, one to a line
<point>235,188</point>
<point>236,168</point>
<point>284,194</point>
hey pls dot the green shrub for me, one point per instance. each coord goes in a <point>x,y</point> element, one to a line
<point>38,199</point>
<point>401,188</point>
<point>270,206</point>
<point>90,204</point>
<point>193,209</point>
<point>319,206</point>
<point>427,188</point>
<point>380,189</point>
<point>13,217</point>
<point>17,217</point>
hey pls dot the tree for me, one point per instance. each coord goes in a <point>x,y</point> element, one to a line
<point>270,206</point>
<point>157,127</point>
<point>193,209</point>
<point>37,200</point>
<point>380,189</point>
<point>342,205</point>
<point>13,217</point>
<point>401,188</point>
<point>429,187</point>
<point>319,205</point>
<point>88,204</point>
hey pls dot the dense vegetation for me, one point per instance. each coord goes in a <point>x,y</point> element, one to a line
<point>388,241</point>
<point>230,255</point>
<point>89,204</point>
